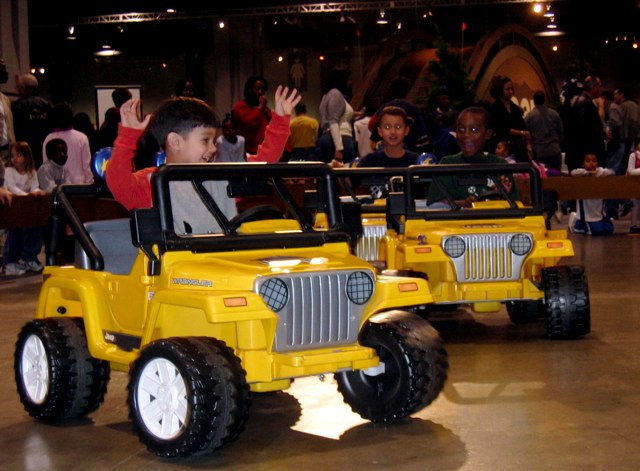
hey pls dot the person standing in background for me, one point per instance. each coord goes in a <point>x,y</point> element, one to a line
<point>584,128</point>
<point>23,243</point>
<point>79,154</point>
<point>109,128</point>
<point>82,122</point>
<point>336,144</point>
<point>507,118</point>
<point>630,121</point>
<point>184,87</point>
<point>304,135</point>
<point>251,114</point>
<point>547,133</point>
<point>7,134</point>
<point>230,146</point>
<point>31,115</point>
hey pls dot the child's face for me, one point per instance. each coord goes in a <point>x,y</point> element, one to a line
<point>393,130</point>
<point>472,134</point>
<point>228,130</point>
<point>59,154</point>
<point>502,149</point>
<point>590,162</point>
<point>17,160</point>
<point>198,146</point>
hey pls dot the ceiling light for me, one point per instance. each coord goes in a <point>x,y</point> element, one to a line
<point>107,51</point>
<point>382,20</point>
<point>549,13</point>
<point>537,7</point>
<point>550,33</point>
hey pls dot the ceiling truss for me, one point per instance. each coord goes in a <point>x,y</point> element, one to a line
<point>343,7</point>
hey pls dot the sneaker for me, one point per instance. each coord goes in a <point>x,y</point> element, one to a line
<point>14,269</point>
<point>34,266</point>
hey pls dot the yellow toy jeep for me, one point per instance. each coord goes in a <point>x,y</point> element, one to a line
<point>198,320</point>
<point>500,250</point>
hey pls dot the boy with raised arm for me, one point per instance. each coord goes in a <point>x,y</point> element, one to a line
<point>186,129</point>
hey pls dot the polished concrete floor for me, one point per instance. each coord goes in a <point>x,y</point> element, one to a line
<point>513,400</point>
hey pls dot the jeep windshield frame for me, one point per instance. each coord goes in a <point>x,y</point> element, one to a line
<point>402,200</point>
<point>155,226</point>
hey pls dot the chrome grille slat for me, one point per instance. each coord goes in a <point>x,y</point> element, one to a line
<point>487,258</point>
<point>369,243</point>
<point>318,314</point>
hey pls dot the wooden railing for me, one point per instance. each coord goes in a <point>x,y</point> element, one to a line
<point>31,211</point>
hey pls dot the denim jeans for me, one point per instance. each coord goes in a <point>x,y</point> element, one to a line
<point>23,244</point>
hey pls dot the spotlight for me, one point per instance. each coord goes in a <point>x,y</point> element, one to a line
<point>107,51</point>
<point>537,7</point>
<point>72,30</point>
<point>549,13</point>
<point>382,20</point>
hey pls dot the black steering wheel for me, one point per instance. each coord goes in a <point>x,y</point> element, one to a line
<point>490,195</point>
<point>256,213</point>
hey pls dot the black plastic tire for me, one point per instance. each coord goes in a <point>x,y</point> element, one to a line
<point>237,398</point>
<point>56,377</point>
<point>566,293</point>
<point>184,395</point>
<point>415,368</point>
<point>524,312</point>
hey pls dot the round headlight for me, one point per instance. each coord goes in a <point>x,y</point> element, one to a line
<point>274,293</point>
<point>359,287</point>
<point>454,246</point>
<point>520,244</point>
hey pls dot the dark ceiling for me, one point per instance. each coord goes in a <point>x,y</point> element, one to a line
<point>585,21</point>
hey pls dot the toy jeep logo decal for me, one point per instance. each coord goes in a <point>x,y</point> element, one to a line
<point>192,282</point>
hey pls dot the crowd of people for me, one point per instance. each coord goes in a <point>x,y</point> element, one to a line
<point>592,132</point>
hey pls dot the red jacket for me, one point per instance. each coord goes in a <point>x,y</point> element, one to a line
<point>251,123</point>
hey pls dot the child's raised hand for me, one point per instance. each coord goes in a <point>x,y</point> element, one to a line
<point>285,104</point>
<point>130,115</point>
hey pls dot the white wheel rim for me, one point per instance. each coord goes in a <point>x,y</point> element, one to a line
<point>34,366</point>
<point>162,399</point>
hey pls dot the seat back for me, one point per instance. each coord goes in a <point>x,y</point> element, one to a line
<point>113,239</point>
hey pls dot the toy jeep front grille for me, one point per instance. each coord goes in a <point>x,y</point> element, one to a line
<point>316,310</point>
<point>488,257</point>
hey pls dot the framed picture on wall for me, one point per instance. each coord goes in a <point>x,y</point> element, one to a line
<point>298,71</point>
<point>104,99</point>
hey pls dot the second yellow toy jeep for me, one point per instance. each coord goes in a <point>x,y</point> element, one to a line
<point>500,250</point>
